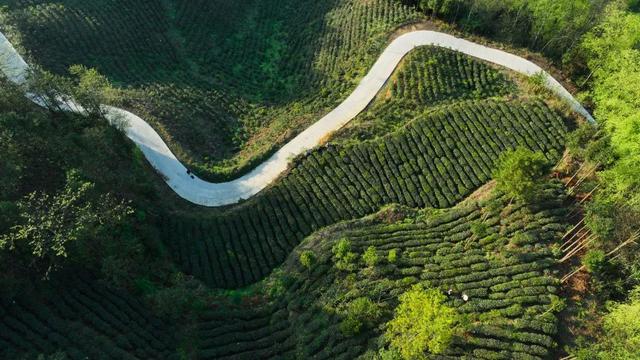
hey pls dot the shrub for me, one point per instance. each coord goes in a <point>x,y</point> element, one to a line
<point>341,248</point>
<point>370,257</point>
<point>519,173</point>
<point>393,256</point>
<point>479,229</point>
<point>344,258</point>
<point>307,259</point>
<point>361,312</point>
<point>595,261</point>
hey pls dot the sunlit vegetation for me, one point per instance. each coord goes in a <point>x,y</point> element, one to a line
<point>464,214</point>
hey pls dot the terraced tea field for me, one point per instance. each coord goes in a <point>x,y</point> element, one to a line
<point>435,161</point>
<point>505,272</point>
<point>82,319</point>
<point>225,85</point>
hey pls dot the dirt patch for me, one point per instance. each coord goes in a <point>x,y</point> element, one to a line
<point>482,193</point>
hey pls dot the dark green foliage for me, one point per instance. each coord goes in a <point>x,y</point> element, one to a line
<point>82,318</point>
<point>50,225</point>
<point>359,314</point>
<point>61,208</point>
<point>549,26</point>
<point>224,83</point>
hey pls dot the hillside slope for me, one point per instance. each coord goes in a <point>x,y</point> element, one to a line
<point>225,84</point>
<point>436,160</point>
<point>506,270</point>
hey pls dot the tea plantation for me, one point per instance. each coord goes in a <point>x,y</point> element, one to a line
<point>436,160</point>
<point>505,271</point>
<point>224,84</point>
<point>99,259</point>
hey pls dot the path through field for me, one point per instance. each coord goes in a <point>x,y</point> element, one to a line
<point>200,192</point>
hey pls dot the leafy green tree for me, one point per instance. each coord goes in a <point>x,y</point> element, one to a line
<point>49,224</point>
<point>307,259</point>
<point>92,89</point>
<point>422,322</point>
<point>520,172</point>
<point>595,261</point>
<point>51,90</point>
<point>360,313</point>
<point>370,256</point>
<point>620,339</point>
<point>344,258</point>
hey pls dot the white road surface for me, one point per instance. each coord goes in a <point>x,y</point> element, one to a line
<point>209,194</point>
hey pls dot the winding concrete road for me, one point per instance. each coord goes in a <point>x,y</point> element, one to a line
<point>205,193</point>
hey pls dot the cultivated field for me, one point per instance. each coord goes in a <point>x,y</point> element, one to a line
<point>226,84</point>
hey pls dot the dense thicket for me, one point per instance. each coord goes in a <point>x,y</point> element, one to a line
<point>65,196</point>
<point>609,55</point>
<point>550,26</point>
<point>436,160</point>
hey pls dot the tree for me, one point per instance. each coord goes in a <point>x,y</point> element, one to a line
<point>621,333</point>
<point>307,259</point>
<point>50,90</point>
<point>343,256</point>
<point>595,262</point>
<point>360,313</point>
<point>370,256</point>
<point>422,322</point>
<point>92,89</point>
<point>520,172</point>
<point>49,224</point>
